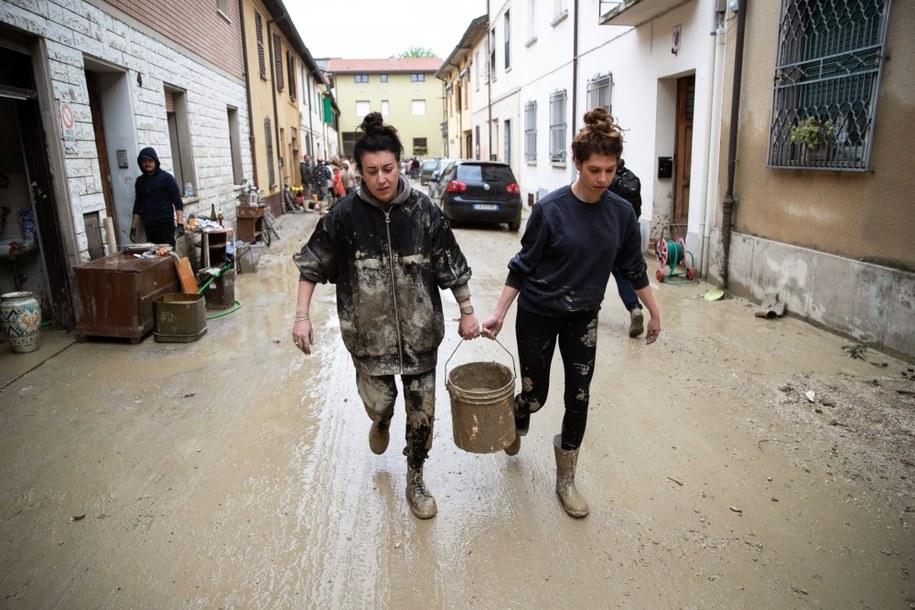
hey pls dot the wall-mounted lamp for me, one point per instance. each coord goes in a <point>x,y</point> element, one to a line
<point>675,39</point>
<point>139,80</point>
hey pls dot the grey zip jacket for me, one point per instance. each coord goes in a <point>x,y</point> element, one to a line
<point>388,262</point>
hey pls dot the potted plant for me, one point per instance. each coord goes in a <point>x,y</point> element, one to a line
<point>812,133</point>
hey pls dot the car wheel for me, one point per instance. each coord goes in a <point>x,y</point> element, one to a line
<point>514,225</point>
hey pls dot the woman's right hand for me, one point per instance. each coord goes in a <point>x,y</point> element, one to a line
<point>303,335</point>
<point>491,327</point>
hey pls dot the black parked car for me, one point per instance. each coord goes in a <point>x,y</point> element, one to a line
<point>482,191</point>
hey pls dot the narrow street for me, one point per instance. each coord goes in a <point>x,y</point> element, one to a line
<point>235,472</point>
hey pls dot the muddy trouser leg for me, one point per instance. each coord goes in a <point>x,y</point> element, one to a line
<point>578,347</point>
<point>536,344</point>
<point>577,344</point>
<point>419,398</point>
<point>378,394</point>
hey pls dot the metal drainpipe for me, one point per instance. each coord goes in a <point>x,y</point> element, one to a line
<point>277,146</point>
<point>489,82</point>
<point>727,204</point>
<point>574,77</point>
<point>244,48</point>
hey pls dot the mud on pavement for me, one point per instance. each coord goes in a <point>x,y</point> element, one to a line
<point>235,472</point>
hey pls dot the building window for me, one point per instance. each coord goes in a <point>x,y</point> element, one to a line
<point>420,147</point>
<point>530,131</point>
<point>363,107</point>
<point>278,61</point>
<point>827,73</point>
<point>476,70</point>
<point>383,78</point>
<point>558,126</point>
<point>223,7</point>
<point>235,144</point>
<point>417,78</point>
<point>600,92</point>
<point>261,56</point>
<point>507,136</point>
<point>385,108</point>
<point>476,142</point>
<point>419,107</point>
<point>531,19</point>
<point>361,78</point>
<point>492,54</point>
<point>560,9</point>
<point>508,29</point>
<point>179,136</point>
<point>290,74</point>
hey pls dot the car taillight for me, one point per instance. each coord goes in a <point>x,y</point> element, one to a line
<point>513,188</point>
<point>456,186</point>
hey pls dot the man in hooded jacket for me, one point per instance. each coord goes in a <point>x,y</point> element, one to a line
<point>157,202</point>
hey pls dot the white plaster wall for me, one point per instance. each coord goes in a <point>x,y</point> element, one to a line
<point>74,30</point>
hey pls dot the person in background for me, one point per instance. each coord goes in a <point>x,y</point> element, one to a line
<point>157,202</point>
<point>349,179</point>
<point>389,252</point>
<point>306,173</point>
<point>320,178</point>
<point>628,186</point>
<point>337,188</point>
<point>574,238</point>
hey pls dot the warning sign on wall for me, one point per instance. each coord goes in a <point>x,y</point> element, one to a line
<point>67,124</point>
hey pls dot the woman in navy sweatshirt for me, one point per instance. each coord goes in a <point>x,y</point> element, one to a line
<point>574,238</point>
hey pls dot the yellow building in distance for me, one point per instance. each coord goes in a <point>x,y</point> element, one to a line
<point>405,91</point>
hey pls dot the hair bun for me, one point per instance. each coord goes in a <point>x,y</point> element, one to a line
<point>373,122</point>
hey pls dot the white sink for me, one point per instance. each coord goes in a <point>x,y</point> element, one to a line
<point>11,249</point>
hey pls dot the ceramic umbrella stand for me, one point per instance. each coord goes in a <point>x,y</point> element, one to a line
<point>20,316</point>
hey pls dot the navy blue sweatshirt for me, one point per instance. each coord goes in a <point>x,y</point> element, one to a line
<point>157,195</point>
<point>568,250</point>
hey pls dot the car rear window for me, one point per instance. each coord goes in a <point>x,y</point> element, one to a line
<point>487,173</point>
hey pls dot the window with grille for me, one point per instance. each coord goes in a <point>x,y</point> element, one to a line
<point>530,131</point>
<point>259,32</point>
<point>278,61</point>
<point>600,92</point>
<point>827,76</point>
<point>558,126</point>
<point>507,140</point>
<point>268,142</point>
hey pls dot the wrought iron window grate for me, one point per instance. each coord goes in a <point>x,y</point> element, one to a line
<point>530,131</point>
<point>558,126</point>
<point>600,92</point>
<point>826,84</point>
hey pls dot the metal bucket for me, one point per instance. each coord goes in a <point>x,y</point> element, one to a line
<point>482,405</point>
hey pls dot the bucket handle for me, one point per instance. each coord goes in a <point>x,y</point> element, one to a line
<point>462,341</point>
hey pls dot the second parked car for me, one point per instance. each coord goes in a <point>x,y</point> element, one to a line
<point>480,191</point>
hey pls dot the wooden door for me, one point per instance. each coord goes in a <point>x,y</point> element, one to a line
<point>95,108</point>
<point>683,157</point>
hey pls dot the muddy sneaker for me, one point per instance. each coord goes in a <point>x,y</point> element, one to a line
<point>636,322</point>
<point>379,437</point>
<point>421,501</point>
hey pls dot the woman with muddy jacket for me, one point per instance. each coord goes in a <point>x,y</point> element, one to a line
<point>388,250</point>
<point>574,238</point>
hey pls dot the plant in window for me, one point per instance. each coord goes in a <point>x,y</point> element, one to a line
<point>812,133</point>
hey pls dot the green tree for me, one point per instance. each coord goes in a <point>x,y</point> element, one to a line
<point>417,52</point>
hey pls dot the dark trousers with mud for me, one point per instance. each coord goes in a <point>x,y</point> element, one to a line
<point>537,339</point>
<point>379,393</point>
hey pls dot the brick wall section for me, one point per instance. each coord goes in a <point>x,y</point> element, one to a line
<point>75,29</point>
<point>195,25</point>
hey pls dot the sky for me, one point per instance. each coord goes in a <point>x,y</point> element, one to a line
<point>377,29</point>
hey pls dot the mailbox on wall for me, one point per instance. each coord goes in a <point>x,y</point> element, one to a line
<point>665,167</point>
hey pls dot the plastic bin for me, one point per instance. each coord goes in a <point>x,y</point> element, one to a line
<point>179,318</point>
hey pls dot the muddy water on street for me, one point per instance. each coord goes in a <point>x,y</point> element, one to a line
<point>235,472</point>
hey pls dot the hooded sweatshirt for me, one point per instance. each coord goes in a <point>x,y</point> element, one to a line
<point>156,195</point>
<point>388,262</point>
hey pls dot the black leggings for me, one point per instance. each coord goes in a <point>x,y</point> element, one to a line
<point>577,337</point>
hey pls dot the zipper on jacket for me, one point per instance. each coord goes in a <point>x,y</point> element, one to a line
<point>387,228</point>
